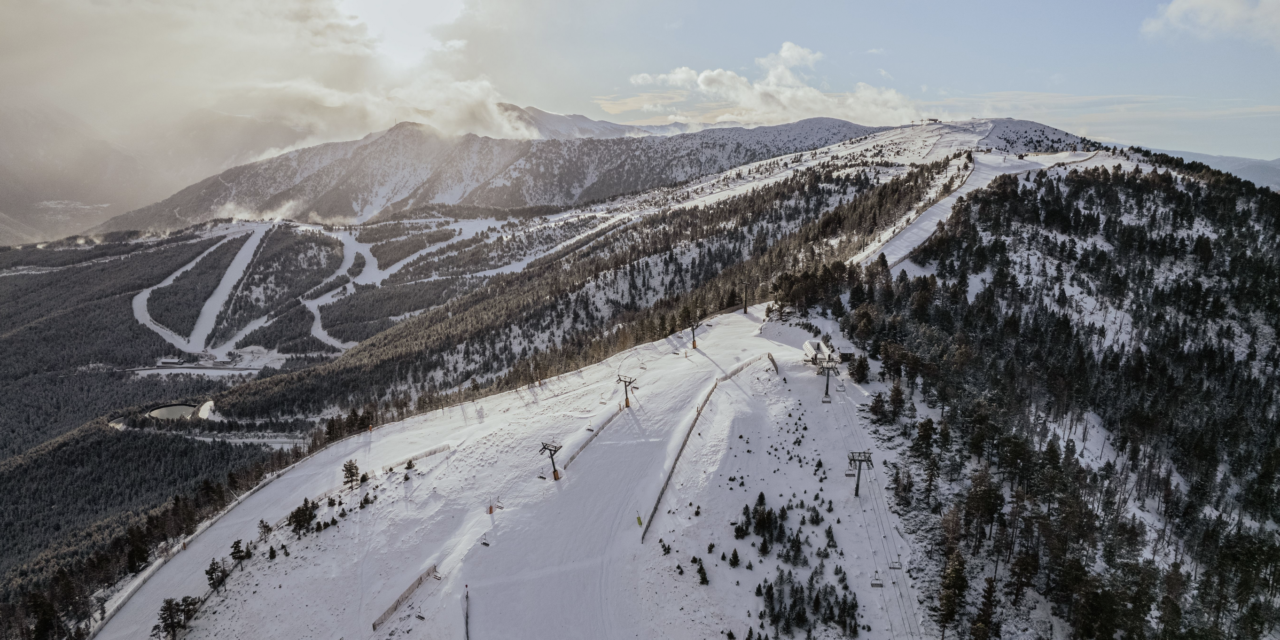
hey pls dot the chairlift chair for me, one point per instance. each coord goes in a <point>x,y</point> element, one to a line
<point>876,581</point>
<point>896,564</point>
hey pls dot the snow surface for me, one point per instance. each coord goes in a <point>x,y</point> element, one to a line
<point>884,154</point>
<point>987,167</point>
<point>564,559</point>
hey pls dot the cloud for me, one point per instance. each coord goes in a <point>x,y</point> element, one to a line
<point>781,95</point>
<point>130,66</point>
<point>650,101</point>
<point>876,52</point>
<point>884,74</point>
<point>1256,20</point>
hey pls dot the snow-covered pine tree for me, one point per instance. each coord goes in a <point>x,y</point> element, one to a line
<point>951,595</point>
<point>350,474</point>
<point>984,626</point>
<point>216,574</point>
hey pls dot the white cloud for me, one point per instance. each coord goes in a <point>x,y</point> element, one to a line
<point>781,95</point>
<point>876,52</point>
<point>130,66</point>
<point>683,77</point>
<point>1257,20</point>
<point>884,74</point>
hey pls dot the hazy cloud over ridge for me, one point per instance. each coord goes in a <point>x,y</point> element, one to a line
<point>124,65</point>
<point>783,94</point>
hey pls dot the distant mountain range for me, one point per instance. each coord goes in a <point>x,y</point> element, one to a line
<point>554,126</point>
<point>414,164</point>
<point>1260,172</point>
<point>58,177</point>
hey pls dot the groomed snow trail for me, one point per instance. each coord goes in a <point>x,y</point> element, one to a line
<point>563,559</point>
<point>213,306</point>
<point>195,343</point>
<point>143,315</point>
<point>987,167</point>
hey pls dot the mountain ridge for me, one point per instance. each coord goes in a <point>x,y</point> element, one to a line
<point>413,164</point>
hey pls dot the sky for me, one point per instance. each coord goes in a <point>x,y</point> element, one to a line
<point>1191,75</point>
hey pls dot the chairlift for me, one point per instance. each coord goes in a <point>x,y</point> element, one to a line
<point>876,581</point>
<point>896,564</point>
<point>484,539</point>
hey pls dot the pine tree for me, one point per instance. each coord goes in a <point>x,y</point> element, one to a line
<point>171,621</point>
<point>264,530</point>
<point>350,474</point>
<point>734,561</point>
<point>190,606</point>
<point>860,369</point>
<point>951,594</point>
<point>897,399</point>
<point>930,478</point>
<point>1025,568</point>
<point>215,574</point>
<point>702,574</point>
<point>984,625</point>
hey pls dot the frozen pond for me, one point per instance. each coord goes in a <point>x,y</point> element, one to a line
<point>172,411</point>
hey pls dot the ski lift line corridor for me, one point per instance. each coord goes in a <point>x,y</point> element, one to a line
<point>900,597</point>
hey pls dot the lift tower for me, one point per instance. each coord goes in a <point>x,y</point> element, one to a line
<point>551,449</point>
<point>856,460</point>
<point>626,381</point>
<point>828,365</point>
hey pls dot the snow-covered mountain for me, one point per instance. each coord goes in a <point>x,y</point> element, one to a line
<point>1013,316</point>
<point>555,126</point>
<point>423,301</point>
<point>412,165</point>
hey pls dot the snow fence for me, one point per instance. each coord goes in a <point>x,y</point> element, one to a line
<point>672,472</point>
<point>429,573</point>
<point>595,432</point>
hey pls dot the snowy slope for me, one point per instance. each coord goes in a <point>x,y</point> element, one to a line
<point>555,126</point>
<point>241,189</point>
<point>349,181</point>
<point>564,559</point>
<point>904,239</point>
<point>380,173</point>
<point>463,169</point>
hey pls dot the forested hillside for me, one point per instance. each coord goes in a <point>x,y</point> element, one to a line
<point>1053,304</point>
<point>1098,337</point>
<point>598,281</point>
